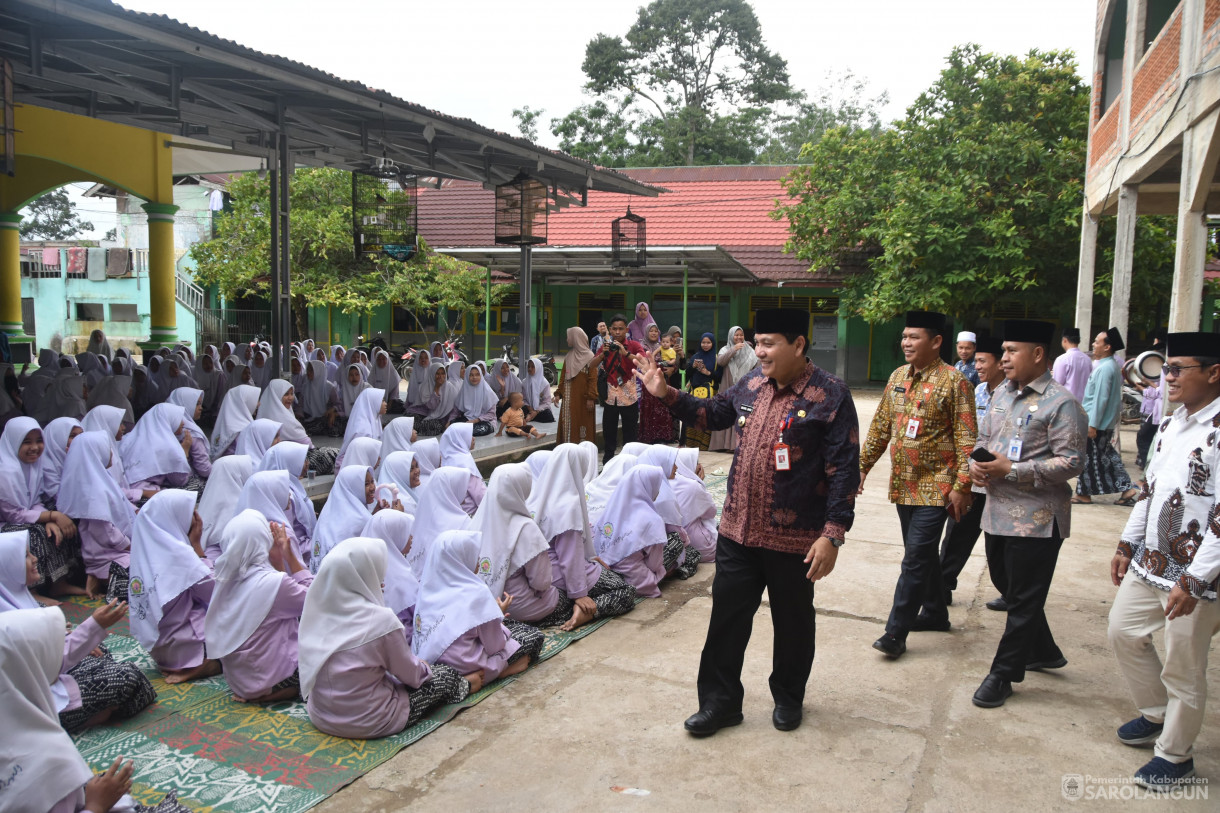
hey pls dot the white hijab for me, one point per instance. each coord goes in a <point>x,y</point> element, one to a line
<point>666,459</point>
<point>246,584</point>
<point>87,490</point>
<point>109,420</point>
<point>510,537</point>
<point>344,607</point>
<point>344,514</point>
<point>113,390</point>
<point>447,396</point>
<point>537,462</point>
<point>396,437</point>
<point>401,583</point>
<point>20,483</point>
<point>218,503</point>
<point>535,386</point>
<point>694,501</point>
<point>744,360</point>
<point>385,378</point>
<point>31,653</point>
<point>476,400</point>
<point>629,523</point>
<point>14,594</point>
<point>271,407</point>
<point>267,492</point>
<point>428,455</point>
<point>163,564</point>
<point>589,448</point>
<point>363,452</point>
<point>599,492</point>
<point>257,438</point>
<point>455,447</point>
<point>65,398</point>
<point>511,382</point>
<point>315,395</point>
<point>188,399</point>
<point>152,448</point>
<point>236,413</point>
<point>440,510</point>
<point>364,418</point>
<point>55,452</point>
<point>419,385</point>
<point>261,376</point>
<point>213,382</point>
<point>452,599</point>
<point>290,457</point>
<point>350,392</point>
<point>557,500</point>
<point>396,469</point>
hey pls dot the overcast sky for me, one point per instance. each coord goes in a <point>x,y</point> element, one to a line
<point>480,59</point>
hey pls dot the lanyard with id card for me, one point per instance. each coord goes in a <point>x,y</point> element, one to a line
<point>914,422</point>
<point>783,459</point>
<point>1014,445</point>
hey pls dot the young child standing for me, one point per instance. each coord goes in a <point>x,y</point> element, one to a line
<point>512,420</point>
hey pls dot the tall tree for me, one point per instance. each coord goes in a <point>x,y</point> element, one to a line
<point>686,77</point>
<point>974,196</point>
<point>52,217</point>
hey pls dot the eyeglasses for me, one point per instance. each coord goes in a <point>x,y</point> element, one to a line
<point>1175,370</point>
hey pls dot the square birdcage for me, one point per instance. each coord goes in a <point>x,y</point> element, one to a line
<point>521,210</point>
<point>628,241</point>
<point>385,213</point>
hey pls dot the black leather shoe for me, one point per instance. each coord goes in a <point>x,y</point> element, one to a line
<point>1054,663</point>
<point>787,718</point>
<point>992,693</point>
<point>890,645</point>
<point>998,604</point>
<point>706,722</point>
<point>925,624</point>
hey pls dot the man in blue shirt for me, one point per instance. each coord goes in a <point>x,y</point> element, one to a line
<point>1104,472</point>
<point>967,344</point>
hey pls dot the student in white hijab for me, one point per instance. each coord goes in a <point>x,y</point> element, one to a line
<point>261,373</point>
<point>537,462</point>
<point>364,452</point>
<point>154,452</point>
<point>110,420</point>
<point>456,444</point>
<point>358,674</point>
<point>236,413</point>
<point>428,456</point>
<point>253,618</point>
<point>420,383</point>
<point>440,407</point>
<point>191,401</point>
<point>364,420</point>
<point>666,459</point>
<point>352,384</point>
<point>318,399</point>
<point>398,436</point>
<point>630,534</point>
<point>503,382</point>
<point>586,590</point>
<point>457,620</point>
<point>171,585</point>
<point>214,383</point>
<point>218,503</point>
<point>385,378</point>
<point>513,558</point>
<point>346,511</point>
<point>98,343</point>
<point>144,390</point>
<point>477,401</point>
<point>696,505</point>
<point>57,437</point>
<point>538,396</point>
<point>599,492</point>
<point>440,509</point>
<point>91,689</point>
<point>589,448</point>
<point>401,584</point>
<point>270,494</point>
<point>258,437</point>
<point>402,470</point>
<point>294,459</point>
<point>31,653</point>
<point>104,515</point>
<point>275,404</point>
<point>238,374</point>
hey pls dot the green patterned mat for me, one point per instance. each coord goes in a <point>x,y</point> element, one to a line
<point>221,755</point>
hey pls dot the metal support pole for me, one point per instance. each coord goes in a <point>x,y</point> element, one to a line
<point>685,293</point>
<point>276,315</point>
<point>525,314</point>
<point>487,319</point>
<point>285,304</point>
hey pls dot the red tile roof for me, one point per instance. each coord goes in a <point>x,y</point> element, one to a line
<point>726,206</point>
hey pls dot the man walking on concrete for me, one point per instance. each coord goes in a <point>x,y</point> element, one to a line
<point>1073,367</point>
<point>1167,565</point>
<point>1104,472</point>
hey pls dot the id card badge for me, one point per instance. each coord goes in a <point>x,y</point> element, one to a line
<point>913,427</point>
<point>782,461</point>
<point>1014,449</point>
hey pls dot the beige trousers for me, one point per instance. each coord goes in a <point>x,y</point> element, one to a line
<point>1174,692</point>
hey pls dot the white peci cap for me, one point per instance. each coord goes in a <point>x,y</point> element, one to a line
<point>967,336</point>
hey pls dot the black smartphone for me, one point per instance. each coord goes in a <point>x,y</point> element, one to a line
<point>982,455</point>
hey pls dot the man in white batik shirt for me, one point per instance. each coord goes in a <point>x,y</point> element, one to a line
<point>1167,566</point>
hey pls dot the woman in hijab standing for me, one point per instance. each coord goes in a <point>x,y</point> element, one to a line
<point>578,392</point>
<point>52,534</point>
<point>457,620</point>
<point>735,359</point>
<point>538,396</point>
<point>191,401</point>
<point>637,328</point>
<point>170,587</point>
<point>359,676</point>
<point>703,381</point>
<point>656,424</point>
<point>477,401</point>
<point>255,612</point>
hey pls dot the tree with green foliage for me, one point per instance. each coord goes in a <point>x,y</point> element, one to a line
<point>687,84</point>
<point>323,264</point>
<point>52,217</point>
<point>975,195</point>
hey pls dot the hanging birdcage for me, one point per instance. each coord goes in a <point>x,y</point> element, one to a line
<point>385,213</point>
<point>628,241</point>
<point>521,209</point>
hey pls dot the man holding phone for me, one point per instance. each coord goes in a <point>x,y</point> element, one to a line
<point>926,416</point>
<point>1030,443</point>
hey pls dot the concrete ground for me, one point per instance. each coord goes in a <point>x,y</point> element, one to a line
<point>599,727</point>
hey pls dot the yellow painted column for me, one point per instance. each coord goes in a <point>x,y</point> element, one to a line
<point>162,276</point>
<point>10,275</point>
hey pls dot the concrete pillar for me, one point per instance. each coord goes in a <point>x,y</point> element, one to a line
<point>162,276</point>
<point>10,275</point>
<point>1186,300</point>
<point>1124,255</point>
<point>1086,273</point>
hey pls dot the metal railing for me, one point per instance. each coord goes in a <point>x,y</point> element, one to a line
<point>188,293</point>
<point>217,326</point>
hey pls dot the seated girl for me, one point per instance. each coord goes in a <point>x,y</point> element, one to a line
<point>257,438</point>
<point>503,383</point>
<point>218,503</point>
<point>586,590</point>
<point>538,396</point>
<point>681,558</point>
<point>631,535</point>
<point>346,511</point>
<point>456,444</point>
<point>255,611</point>
<point>402,470</point>
<point>353,383</point>
<point>401,584</point>
<point>191,401</point>
<point>399,435</point>
<point>236,413</point>
<point>439,409</point>
<point>52,534</point>
<point>477,402</point>
<point>457,620</point>
<point>512,419</point>
<point>170,587</point>
<point>58,437</point>
<point>513,558</point>
<point>302,516</point>
<point>697,506</point>
<point>363,452</point>
<point>318,400</point>
<point>104,515</point>
<point>359,676</point>
<point>154,453</point>
<point>384,377</point>
<point>440,509</point>
<point>364,421</point>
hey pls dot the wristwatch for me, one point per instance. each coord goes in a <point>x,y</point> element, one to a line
<point>836,541</point>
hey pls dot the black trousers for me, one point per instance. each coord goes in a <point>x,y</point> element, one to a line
<point>630,416</point>
<point>1030,563</point>
<point>741,575</point>
<point>997,568</point>
<point>1143,442</point>
<point>958,544</point>
<point>920,584</point>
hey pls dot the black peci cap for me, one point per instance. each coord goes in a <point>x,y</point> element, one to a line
<point>1197,345</point>
<point>1028,330</point>
<point>782,320</point>
<point>1114,339</point>
<point>990,344</point>
<point>930,320</point>
<point>1072,334</point>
